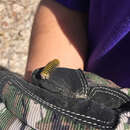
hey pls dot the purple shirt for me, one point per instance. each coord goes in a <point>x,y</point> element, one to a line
<point>109,37</point>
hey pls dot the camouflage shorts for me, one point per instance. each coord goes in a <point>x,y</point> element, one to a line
<point>19,109</point>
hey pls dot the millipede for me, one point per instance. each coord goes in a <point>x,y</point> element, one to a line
<point>45,73</point>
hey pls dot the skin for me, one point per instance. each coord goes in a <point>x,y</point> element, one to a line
<point>57,33</point>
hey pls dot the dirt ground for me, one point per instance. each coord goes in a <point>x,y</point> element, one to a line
<point>16,18</point>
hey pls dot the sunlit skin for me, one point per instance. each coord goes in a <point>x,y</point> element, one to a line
<point>57,33</point>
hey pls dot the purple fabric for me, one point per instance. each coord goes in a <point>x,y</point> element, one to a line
<point>75,4</point>
<point>109,38</point>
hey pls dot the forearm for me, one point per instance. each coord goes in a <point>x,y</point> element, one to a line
<point>57,33</point>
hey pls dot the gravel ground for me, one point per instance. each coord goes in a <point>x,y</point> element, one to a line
<point>16,18</point>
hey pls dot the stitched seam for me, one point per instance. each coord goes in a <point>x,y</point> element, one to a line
<point>110,90</point>
<point>54,107</point>
<point>84,79</point>
<point>108,93</point>
<point>81,81</point>
<point>84,82</point>
<point>123,95</point>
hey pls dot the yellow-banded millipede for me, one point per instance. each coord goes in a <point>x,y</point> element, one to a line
<point>45,73</point>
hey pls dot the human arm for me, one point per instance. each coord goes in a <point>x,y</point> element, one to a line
<point>57,32</point>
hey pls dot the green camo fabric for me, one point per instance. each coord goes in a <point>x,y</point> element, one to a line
<point>20,112</point>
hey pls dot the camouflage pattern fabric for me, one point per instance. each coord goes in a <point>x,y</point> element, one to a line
<point>20,111</point>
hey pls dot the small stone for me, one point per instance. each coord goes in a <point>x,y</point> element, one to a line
<point>14,13</point>
<point>5,24</point>
<point>1,34</point>
<point>17,8</point>
<point>2,7</point>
